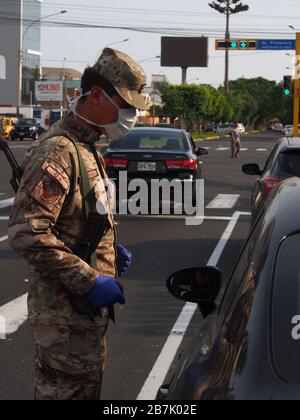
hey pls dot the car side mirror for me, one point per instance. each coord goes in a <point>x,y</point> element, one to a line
<point>251,169</point>
<point>200,151</point>
<point>200,285</point>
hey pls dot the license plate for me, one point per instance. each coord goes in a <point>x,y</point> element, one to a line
<point>22,134</point>
<point>147,166</point>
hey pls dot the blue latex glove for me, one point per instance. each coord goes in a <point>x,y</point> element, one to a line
<point>124,259</point>
<point>105,292</point>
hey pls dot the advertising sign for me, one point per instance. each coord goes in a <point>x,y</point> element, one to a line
<point>49,91</point>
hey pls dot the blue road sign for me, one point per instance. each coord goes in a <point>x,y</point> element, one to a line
<point>276,44</point>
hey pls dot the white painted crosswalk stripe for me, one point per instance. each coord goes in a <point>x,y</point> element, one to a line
<point>223,149</point>
<point>261,150</point>
<point>6,203</point>
<point>223,201</point>
<point>13,315</point>
<point>243,149</point>
<point>4,238</point>
<point>4,218</point>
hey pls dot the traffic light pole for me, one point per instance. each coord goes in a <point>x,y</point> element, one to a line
<point>297,87</point>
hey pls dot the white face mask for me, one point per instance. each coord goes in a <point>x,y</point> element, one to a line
<point>126,121</point>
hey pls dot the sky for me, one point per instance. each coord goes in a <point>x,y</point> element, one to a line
<point>78,47</point>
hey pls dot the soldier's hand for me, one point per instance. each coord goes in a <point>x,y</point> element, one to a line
<point>105,292</point>
<point>124,259</point>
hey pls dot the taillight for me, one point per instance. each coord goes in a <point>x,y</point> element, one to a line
<point>270,183</point>
<point>182,164</point>
<point>116,163</point>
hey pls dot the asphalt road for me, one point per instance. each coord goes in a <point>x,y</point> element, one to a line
<point>161,246</point>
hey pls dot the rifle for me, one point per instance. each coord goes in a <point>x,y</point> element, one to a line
<point>16,169</point>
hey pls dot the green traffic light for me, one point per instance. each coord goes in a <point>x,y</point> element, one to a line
<point>287,92</point>
<point>244,44</point>
<point>233,44</point>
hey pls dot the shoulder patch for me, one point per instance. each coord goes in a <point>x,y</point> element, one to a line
<point>56,172</point>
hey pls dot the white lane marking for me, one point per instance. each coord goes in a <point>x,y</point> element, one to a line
<point>222,149</point>
<point>4,218</point>
<point>243,149</point>
<point>14,314</point>
<point>223,201</point>
<point>170,218</point>
<point>4,238</point>
<point>261,150</point>
<point>6,203</point>
<point>206,148</point>
<point>162,365</point>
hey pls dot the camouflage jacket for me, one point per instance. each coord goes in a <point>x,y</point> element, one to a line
<point>48,220</point>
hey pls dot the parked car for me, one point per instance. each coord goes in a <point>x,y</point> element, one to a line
<point>288,130</point>
<point>6,126</point>
<point>155,153</point>
<point>248,348</point>
<point>283,163</point>
<point>278,127</point>
<point>26,128</point>
<point>225,129</point>
<point>271,127</point>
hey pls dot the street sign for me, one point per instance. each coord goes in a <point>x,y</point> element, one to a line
<point>256,44</point>
<point>276,44</point>
<point>236,44</point>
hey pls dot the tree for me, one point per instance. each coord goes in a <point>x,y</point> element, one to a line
<point>228,8</point>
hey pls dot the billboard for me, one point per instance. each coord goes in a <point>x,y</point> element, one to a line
<point>184,52</point>
<point>49,91</point>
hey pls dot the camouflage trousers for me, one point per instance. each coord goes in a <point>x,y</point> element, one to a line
<point>69,361</point>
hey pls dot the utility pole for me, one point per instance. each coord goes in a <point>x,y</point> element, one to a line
<point>184,75</point>
<point>228,8</point>
<point>21,52</point>
<point>227,38</point>
<point>297,87</point>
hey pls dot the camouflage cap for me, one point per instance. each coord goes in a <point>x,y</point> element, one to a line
<point>127,77</point>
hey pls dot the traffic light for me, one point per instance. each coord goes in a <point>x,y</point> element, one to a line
<point>236,44</point>
<point>287,86</point>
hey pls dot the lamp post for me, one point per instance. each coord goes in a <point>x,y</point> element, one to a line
<point>122,41</point>
<point>156,57</point>
<point>20,56</point>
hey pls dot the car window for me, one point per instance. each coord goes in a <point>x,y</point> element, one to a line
<point>241,267</point>
<point>285,329</point>
<point>289,162</point>
<point>27,121</point>
<point>271,158</point>
<point>157,141</point>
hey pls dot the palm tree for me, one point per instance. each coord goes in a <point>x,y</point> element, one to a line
<point>228,8</point>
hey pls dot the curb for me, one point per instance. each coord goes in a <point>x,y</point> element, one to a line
<point>225,137</point>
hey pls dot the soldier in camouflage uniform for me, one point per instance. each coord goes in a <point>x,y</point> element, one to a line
<point>47,221</point>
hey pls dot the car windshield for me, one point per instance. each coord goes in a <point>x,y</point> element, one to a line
<point>152,140</point>
<point>289,162</point>
<point>27,121</point>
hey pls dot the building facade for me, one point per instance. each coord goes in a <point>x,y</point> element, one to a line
<point>16,33</point>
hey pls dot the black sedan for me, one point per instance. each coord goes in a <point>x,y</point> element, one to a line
<point>249,348</point>
<point>26,128</point>
<point>283,163</point>
<point>155,153</point>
